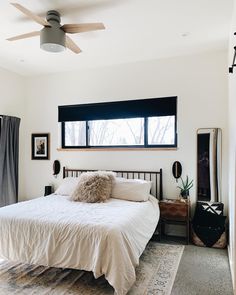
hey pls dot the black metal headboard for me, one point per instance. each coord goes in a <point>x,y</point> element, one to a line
<point>155,177</point>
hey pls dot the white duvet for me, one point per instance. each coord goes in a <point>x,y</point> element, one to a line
<point>105,238</point>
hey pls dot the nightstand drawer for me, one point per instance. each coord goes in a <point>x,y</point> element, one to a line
<point>174,210</point>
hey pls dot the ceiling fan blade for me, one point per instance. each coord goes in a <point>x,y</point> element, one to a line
<point>80,28</point>
<point>24,36</point>
<point>72,46</point>
<point>31,15</point>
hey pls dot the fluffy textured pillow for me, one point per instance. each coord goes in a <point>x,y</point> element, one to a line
<point>136,190</point>
<point>67,186</point>
<point>94,187</point>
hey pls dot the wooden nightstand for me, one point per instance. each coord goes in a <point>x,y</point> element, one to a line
<point>174,212</point>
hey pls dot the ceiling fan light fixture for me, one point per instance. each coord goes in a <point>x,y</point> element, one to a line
<point>52,47</point>
<point>52,39</point>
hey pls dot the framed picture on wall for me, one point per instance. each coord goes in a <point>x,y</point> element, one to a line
<point>40,147</point>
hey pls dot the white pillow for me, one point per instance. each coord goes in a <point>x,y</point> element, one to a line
<point>136,190</point>
<point>67,186</point>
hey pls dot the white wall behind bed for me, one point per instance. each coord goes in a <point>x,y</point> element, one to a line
<point>199,81</point>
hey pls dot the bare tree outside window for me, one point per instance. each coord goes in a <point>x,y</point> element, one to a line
<point>117,132</point>
<point>161,130</point>
<point>75,133</point>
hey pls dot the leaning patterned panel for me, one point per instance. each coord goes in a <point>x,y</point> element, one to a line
<point>155,177</point>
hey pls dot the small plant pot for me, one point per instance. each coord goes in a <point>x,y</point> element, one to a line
<point>184,194</point>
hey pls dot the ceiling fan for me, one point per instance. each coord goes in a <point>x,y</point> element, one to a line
<point>53,36</point>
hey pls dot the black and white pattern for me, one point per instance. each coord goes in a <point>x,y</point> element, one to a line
<point>212,207</point>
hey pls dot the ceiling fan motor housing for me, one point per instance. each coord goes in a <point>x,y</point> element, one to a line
<point>53,38</point>
<point>53,15</point>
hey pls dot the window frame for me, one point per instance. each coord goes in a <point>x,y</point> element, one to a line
<point>144,146</point>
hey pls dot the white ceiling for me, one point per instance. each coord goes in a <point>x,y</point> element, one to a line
<point>136,30</point>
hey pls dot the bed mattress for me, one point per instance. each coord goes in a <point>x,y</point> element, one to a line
<point>105,238</point>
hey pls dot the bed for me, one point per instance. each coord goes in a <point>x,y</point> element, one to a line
<point>105,238</point>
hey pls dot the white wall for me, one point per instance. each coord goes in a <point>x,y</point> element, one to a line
<point>232,152</point>
<point>200,82</point>
<point>12,103</point>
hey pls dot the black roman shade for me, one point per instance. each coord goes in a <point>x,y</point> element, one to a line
<point>152,107</point>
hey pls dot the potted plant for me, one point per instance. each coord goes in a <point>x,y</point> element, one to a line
<point>185,187</point>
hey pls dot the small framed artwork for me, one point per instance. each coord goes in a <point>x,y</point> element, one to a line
<point>40,146</point>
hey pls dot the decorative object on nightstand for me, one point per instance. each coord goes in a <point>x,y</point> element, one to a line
<point>185,187</point>
<point>174,212</point>
<point>47,190</point>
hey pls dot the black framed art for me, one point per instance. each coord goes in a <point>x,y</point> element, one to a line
<point>40,147</point>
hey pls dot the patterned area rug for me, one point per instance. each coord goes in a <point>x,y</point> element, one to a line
<point>155,276</point>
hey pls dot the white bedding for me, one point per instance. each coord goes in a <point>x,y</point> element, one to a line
<point>105,238</point>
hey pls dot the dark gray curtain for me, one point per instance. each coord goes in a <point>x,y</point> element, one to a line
<point>9,157</point>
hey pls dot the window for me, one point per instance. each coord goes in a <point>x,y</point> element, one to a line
<point>116,132</point>
<point>75,134</point>
<point>120,132</point>
<point>161,130</point>
<point>143,123</point>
